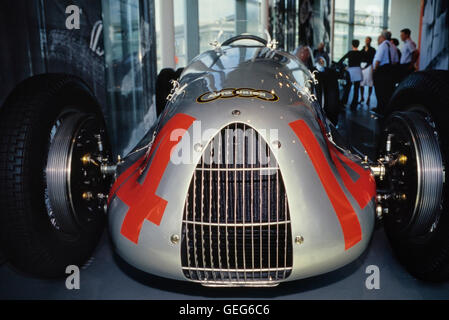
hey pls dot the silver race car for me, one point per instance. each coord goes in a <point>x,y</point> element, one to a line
<point>242,181</point>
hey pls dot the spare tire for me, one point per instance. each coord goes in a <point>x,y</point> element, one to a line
<point>52,191</point>
<point>417,222</point>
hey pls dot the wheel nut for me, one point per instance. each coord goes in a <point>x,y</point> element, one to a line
<point>85,160</point>
<point>87,195</point>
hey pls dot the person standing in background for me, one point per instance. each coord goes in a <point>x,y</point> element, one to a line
<point>409,53</point>
<point>368,53</point>
<point>320,52</point>
<point>384,73</point>
<point>395,43</point>
<point>354,60</point>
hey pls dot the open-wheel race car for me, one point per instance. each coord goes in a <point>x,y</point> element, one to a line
<point>242,181</point>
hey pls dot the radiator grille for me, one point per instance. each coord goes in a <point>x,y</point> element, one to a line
<point>236,221</point>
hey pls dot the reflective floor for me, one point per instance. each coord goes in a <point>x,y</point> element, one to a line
<point>108,277</point>
<point>360,128</point>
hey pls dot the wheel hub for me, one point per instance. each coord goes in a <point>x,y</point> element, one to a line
<point>76,188</point>
<point>414,173</point>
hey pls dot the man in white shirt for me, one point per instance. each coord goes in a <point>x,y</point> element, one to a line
<point>384,73</point>
<point>409,52</point>
<point>382,57</point>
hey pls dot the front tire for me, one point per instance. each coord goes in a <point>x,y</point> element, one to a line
<point>417,122</point>
<point>47,222</point>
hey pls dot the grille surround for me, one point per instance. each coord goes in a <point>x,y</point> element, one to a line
<point>236,228</point>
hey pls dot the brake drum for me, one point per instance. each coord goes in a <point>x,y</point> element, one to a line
<point>415,176</point>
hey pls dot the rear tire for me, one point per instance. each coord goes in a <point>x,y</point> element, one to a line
<point>32,237</point>
<point>425,254</point>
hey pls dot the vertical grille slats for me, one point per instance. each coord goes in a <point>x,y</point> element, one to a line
<point>235,208</point>
<point>260,209</point>
<point>219,215</point>
<point>236,221</point>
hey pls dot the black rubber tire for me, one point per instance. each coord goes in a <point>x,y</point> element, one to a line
<point>2,258</point>
<point>328,85</point>
<point>163,88</point>
<point>27,238</point>
<point>426,258</point>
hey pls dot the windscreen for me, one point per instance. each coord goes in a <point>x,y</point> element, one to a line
<point>243,37</point>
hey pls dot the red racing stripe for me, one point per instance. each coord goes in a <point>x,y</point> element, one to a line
<point>349,222</point>
<point>125,175</point>
<point>141,199</point>
<point>364,189</point>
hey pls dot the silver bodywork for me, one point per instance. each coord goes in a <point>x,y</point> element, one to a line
<point>312,215</point>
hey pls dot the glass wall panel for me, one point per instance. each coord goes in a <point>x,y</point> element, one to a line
<point>341,29</point>
<point>215,16</point>
<point>180,41</point>
<point>130,70</point>
<point>368,20</point>
<point>253,24</point>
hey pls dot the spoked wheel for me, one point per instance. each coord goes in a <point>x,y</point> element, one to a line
<point>52,188</point>
<point>415,145</point>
